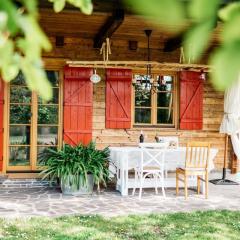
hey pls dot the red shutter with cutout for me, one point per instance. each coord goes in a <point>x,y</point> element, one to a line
<point>118,98</point>
<point>1,122</point>
<point>191,100</point>
<point>78,105</point>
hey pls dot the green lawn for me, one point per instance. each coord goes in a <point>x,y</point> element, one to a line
<point>199,225</point>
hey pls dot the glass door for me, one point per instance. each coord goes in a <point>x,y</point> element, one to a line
<point>34,125</point>
<point>20,124</point>
<point>48,117</point>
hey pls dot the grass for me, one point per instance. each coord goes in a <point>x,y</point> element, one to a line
<point>198,225</point>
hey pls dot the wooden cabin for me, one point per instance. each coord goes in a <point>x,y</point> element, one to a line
<point>109,112</point>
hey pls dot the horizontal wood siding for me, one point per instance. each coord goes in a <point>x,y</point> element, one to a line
<point>78,48</point>
<point>212,115</point>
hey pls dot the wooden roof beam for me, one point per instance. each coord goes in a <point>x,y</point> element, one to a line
<point>110,26</point>
<point>173,43</point>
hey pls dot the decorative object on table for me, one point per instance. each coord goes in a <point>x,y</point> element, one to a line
<point>196,164</point>
<point>95,78</point>
<point>153,166</point>
<point>230,126</point>
<point>141,138</point>
<point>172,140</point>
<point>77,167</point>
<point>173,144</point>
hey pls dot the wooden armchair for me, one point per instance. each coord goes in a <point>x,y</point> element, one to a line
<point>196,164</point>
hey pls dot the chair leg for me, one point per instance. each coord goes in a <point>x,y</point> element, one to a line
<point>198,184</point>
<point>185,186</point>
<point>177,187</point>
<point>141,184</point>
<point>206,185</point>
<point>163,186</point>
<point>166,173</point>
<point>155,179</point>
<point>135,183</point>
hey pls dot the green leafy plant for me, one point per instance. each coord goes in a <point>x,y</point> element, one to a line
<point>74,163</point>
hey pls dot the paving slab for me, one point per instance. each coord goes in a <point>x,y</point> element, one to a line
<point>50,202</point>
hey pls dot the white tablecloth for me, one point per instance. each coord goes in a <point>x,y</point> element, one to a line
<point>173,158</point>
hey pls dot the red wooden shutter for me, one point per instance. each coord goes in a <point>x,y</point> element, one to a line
<point>1,122</point>
<point>118,98</point>
<point>191,100</point>
<point>78,104</point>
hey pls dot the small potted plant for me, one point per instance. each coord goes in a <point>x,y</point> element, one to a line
<point>77,167</point>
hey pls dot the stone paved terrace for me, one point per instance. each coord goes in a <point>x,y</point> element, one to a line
<point>50,202</point>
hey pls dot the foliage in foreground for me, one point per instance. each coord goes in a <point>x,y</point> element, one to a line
<point>201,18</point>
<point>198,225</point>
<point>22,41</point>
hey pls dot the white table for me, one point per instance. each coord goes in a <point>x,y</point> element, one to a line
<point>125,158</point>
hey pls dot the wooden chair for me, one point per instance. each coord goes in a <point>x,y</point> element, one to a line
<point>196,164</point>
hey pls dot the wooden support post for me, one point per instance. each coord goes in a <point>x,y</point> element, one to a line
<point>225,157</point>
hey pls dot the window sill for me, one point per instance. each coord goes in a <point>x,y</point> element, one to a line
<point>167,127</point>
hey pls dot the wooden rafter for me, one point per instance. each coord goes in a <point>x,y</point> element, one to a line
<point>173,43</point>
<point>110,26</point>
<point>140,65</point>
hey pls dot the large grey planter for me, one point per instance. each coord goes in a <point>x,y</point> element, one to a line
<point>86,189</point>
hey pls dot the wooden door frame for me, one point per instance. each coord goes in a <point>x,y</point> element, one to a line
<point>51,64</point>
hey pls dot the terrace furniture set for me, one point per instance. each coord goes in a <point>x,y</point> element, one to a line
<point>160,165</point>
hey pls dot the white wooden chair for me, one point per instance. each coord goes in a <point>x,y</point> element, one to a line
<point>152,165</point>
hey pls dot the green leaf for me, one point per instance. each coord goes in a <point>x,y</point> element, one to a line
<point>167,12</point>
<point>34,33</point>
<point>229,11</point>
<point>10,71</point>
<point>201,10</point>
<point>13,16</point>
<point>36,78</point>
<point>31,6</point>
<point>87,6</point>
<point>231,29</point>
<point>196,40</point>
<point>3,20</point>
<point>226,65</point>
<point>58,5</point>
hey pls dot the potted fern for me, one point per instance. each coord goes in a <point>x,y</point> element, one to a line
<point>77,167</point>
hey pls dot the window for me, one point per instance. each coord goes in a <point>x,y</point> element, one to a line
<point>155,100</point>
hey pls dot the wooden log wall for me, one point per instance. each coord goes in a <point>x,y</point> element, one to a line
<point>82,49</point>
<point>212,115</point>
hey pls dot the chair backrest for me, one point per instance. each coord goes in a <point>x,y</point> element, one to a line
<point>153,154</point>
<point>197,155</point>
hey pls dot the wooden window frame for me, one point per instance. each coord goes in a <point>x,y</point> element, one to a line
<point>154,107</point>
<point>50,66</point>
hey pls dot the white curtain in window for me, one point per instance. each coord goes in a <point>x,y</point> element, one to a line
<point>231,119</point>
